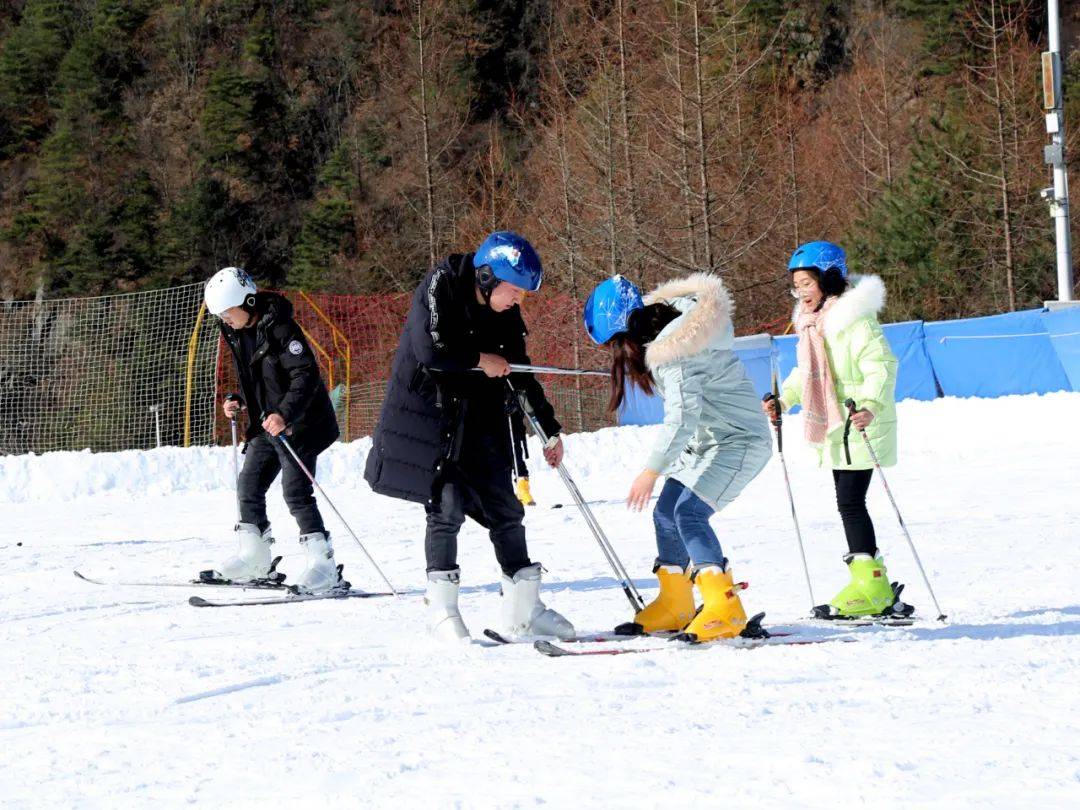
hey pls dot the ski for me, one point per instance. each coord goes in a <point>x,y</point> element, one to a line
<point>588,638</point>
<point>753,630</point>
<point>198,601</point>
<point>868,621</point>
<point>110,583</point>
<point>774,640</point>
<point>900,614</point>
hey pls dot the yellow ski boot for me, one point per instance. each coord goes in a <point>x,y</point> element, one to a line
<point>523,493</point>
<point>670,611</point>
<point>722,615</point>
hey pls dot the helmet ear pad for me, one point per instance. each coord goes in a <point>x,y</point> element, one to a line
<point>485,278</point>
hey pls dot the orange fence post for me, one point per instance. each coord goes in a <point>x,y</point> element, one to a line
<point>337,336</point>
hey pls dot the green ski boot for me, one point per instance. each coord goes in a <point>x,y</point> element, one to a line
<point>868,594</point>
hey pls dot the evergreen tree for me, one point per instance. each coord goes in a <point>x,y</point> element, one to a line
<point>942,43</point>
<point>196,236</point>
<point>28,63</point>
<point>328,227</point>
<point>505,69</point>
<point>240,113</point>
<point>918,235</point>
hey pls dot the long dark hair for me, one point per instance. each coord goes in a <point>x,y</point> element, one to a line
<point>832,283</point>
<point>628,350</point>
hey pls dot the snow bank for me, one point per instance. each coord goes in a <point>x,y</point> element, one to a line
<point>927,429</point>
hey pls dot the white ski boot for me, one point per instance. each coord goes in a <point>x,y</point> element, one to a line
<point>321,573</point>
<point>523,612</point>
<point>252,561</point>
<point>443,617</point>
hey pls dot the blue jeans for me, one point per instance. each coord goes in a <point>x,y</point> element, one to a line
<point>683,532</point>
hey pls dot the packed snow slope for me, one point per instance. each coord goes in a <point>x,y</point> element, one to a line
<point>129,697</point>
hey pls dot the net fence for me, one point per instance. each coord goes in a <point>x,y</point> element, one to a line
<point>354,338</point>
<point>116,372</point>
<point>139,370</point>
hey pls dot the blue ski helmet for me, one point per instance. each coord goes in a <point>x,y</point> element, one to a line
<point>505,256</point>
<point>609,308</point>
<point>820,256</point>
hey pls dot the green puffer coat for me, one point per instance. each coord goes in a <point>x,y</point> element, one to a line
<point>715,438</point>
<point>863,369</point>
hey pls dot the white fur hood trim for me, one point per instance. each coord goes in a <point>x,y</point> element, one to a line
<point>698,326</point>
<point>866,297</point>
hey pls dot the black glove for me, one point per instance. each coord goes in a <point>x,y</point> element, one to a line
<point>511,403</point>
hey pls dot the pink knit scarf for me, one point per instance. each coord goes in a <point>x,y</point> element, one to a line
<point>821,411</point>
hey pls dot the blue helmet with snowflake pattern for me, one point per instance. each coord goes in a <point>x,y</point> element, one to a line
<point>608,308</point>
<point>820,256</point>
<point>505,256</point>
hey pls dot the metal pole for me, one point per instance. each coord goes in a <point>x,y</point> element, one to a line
<point>156,411</point>
<point>580,372</point>
<point>778,423</point>
<point>322,492</point>
<point>636,602</point>
<point>1055,154</point>
<point>850,403</point>
<point>235,468</point>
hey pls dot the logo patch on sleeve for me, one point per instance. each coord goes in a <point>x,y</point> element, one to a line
<point>296,347</point>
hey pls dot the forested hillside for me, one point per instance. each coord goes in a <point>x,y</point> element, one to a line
<point>342,146</point>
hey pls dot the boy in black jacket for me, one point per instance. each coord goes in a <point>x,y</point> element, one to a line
<point>443,438</point>
<point>281,386</point>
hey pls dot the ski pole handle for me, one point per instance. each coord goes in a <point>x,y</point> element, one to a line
<point>776,420</point>
<point>772,398</point>
<point>852,409</point>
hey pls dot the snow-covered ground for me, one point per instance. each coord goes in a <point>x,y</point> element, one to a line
<point>129,697</point>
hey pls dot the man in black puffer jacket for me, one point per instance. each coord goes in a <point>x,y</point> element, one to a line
<point>443,437</point>
<point>283,394</point>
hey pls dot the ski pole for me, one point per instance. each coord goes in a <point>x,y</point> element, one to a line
<point>235,455</point>
<point>850,404</point>
<point>777,423</point>
<point>582,372</point>
<point>288,446</point>
<point>636,602</point>
<point>235,468</point>
<point>513,448</point>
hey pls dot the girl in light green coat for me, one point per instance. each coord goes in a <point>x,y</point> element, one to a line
<point>843,355</point>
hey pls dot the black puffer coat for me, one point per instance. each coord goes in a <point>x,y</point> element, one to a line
<point>436,409</point>
<point>280,375</point>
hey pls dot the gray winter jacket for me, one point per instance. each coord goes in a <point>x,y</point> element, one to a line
<point>714,431</point>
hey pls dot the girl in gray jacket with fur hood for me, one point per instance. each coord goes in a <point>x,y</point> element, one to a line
<point>679,342</point>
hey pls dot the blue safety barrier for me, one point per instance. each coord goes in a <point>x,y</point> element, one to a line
<point>1030,352</point>
<point>640,409</point>
<point>755,352</point>
<point>1063,326</point>
<point>915,373</point>
<point>994,356</point>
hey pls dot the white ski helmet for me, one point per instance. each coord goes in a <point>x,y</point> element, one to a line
<point>229,287</point>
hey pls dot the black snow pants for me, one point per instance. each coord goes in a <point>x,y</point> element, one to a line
<point>484,492</point>
<point>264,458</point>
<point>851,487</point>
